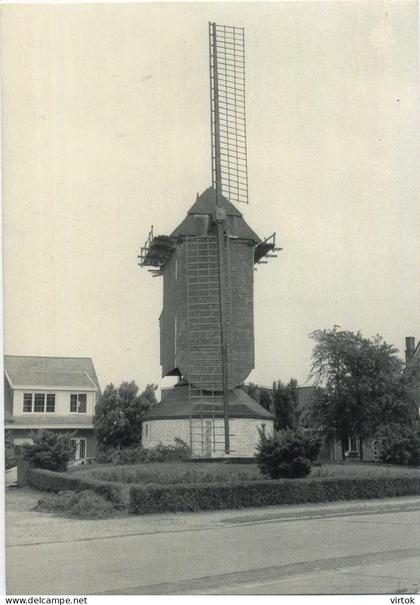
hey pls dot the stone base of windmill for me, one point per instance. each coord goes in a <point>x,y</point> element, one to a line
<point>172,419</point>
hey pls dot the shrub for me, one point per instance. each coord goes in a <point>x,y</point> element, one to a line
<point>312,444</point>
<point>139,454</point>
<point>399,445</point>
<point>166,453</point>
<point>56,503</point>
<point>57,482</point>
<point>49,450</point>
<point>84,505</point>
<point>9,452</point>
<point>146,499</point>
<point>284,454</point>
<point>126,455</point>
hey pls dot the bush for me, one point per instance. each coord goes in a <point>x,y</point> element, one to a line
<point>57,482</point>
<point>56,503</point>
<point>399,445</point>
<point>84,505</point>
<point>312,443</point>
<point>166,453</point>
<point>139,454</point>
<point>126,455</point>
<point>9,452</point>
<point>284,454</point>
<point>49,450</point>
<point>146,499</point>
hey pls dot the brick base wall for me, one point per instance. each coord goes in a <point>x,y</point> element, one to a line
<point>243,431</point>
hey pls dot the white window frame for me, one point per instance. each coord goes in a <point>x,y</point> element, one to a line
<point>350,450</point>
<point>78,403</point>
<point>33,395</point>
<point>78,441</point>
<point>32,404</point>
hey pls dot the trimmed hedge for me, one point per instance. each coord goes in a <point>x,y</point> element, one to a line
<point>58,482</point>
<point>145,499</point>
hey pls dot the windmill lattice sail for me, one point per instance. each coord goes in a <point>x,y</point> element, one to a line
<point>227,111</point>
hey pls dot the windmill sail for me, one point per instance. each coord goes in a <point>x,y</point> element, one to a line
<point>227,111</point>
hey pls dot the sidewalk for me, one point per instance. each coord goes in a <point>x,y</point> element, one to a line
<point>26,526</point>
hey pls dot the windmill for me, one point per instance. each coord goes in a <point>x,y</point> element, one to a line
<point>207,264</point>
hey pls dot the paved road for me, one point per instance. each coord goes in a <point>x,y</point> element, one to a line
<point>360,547</point>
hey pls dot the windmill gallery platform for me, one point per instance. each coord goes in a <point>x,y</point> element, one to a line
<point>190,332</point>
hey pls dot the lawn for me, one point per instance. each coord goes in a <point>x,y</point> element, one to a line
<point>214,472</point>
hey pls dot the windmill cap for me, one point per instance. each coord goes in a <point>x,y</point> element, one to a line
<point>197,222</point>
<point>206,204</point>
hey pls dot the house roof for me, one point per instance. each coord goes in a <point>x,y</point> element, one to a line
<point>49,421</point>
<point>175,404</point>
<point>51,372</point>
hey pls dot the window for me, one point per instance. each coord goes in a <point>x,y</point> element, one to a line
<point>353,444</point>
<point>39,405</point>
<point>27,402</point>
<point>50,403</point>
<point>146,430</point>
<point>80,453</point>
<point>78,403</point>
<point>263,429</point>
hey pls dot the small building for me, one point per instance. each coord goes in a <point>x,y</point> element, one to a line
<point>54,393</point>
<point>172,419</point>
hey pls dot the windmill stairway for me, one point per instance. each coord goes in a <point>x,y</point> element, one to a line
<point>207,433</point>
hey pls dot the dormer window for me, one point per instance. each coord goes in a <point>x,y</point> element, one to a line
<point>50,403</point>
<point>42,402</point>
<point>39,404</point>
<point>78,403</point>
<point>27,402</point>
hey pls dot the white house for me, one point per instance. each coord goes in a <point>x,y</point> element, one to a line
<point>54,393</point>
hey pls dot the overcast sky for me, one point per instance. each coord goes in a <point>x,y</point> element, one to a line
<point>106,131</point>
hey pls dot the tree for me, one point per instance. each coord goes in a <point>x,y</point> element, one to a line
<point>285,405</point>
<point>364,386</point>
<point>265,399</point>
<point>399,444</point>
<point>259,394</point>
<point>251,389</point>
<point>119,414</point>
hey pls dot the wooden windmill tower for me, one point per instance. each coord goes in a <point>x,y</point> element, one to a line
<point>207,264</point>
